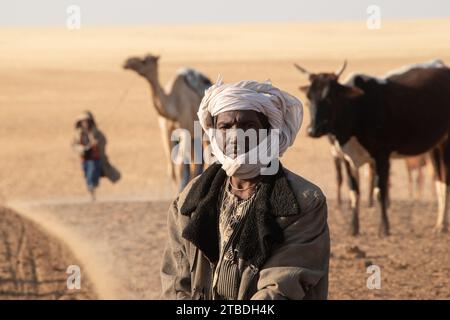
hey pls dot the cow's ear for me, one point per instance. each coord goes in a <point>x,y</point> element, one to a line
<point>353,92</point>
<point>304,89</point>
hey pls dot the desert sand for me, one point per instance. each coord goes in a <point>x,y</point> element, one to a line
<point>34,265</point>
<point>49,75</point>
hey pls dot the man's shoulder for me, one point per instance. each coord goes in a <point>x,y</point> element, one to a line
<point>185,192</point>
<point>308,194</point>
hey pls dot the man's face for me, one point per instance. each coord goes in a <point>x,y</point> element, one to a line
<point>238,131</point>
<point>85,124</point>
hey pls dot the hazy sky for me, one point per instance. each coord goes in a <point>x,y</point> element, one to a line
<point>143,12</point>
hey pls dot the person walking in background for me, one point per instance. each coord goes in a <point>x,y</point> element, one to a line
<point>89,142</point>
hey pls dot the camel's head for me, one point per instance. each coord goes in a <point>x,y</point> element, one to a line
<point>145,66</point>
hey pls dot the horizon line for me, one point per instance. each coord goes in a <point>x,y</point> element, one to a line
<point>223,23</point>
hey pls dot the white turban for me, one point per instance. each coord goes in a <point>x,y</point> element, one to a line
<point>284,112</point>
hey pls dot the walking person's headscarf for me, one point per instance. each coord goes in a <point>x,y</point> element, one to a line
<point>86,115</point>
<point>283,111</point>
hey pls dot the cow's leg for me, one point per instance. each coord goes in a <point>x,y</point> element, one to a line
<point>420,180</point>
<point>447,186</point>
<point>432,174</point>
<point>437,161</point>
<point>410,179</point>
<point>338,166</point>
<point>377,192</point>
<point>352,174</point>
<point>442,220</point>
<point>371,184</point>
<point>382,168</point>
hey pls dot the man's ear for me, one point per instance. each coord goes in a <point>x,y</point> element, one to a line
<point>352,92</point>
<point>304,89</point>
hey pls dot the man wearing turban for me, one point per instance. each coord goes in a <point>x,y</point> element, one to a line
<point>247,228</point>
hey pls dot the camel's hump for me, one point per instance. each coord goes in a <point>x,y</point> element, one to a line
<point>195,80</point>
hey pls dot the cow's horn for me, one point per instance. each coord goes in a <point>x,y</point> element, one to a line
<point>302,70</point>
<point>342,68</point>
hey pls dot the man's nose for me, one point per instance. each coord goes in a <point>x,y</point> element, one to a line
<point>232,134</point>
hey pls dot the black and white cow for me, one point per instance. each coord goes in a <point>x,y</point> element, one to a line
<point>339,159</point>
<point>405,113</point>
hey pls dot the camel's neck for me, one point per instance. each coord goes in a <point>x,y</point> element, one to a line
<point>161,100</point>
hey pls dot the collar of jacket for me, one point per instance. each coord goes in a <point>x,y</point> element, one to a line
<point>275,198</point>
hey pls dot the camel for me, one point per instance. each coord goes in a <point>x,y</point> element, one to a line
<point>177,105</point>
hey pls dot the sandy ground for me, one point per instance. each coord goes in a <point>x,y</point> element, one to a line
<point>33,265</point>
<point>48,76</point>
<point>126,242</point>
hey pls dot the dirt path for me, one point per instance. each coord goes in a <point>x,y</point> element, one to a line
<point>119,242</point>
<point>33,263</point>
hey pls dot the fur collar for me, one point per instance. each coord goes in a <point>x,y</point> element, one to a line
<point>260,231</point>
